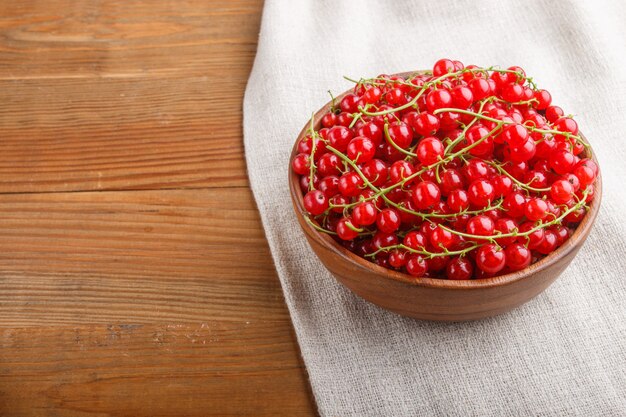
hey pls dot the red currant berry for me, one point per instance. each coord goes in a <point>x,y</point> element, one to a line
<point>505,226</point>
<point>532,239</point>
<point>480,88</point>
<point>426,194</point>
<point>517,256</point>
<point>438,99</point>
<point>426,124</point>
<point>376,172</point>
<point>562,162</point>
<point>315,202</point>
<point>441,238</point>
<point>350,184</point>
<point>329,185</point>
<point>451,180</point>
<point>361,149</point>
<point>536,209</point>
<point>459,269</point>
<point>329,164</point>
<point>345,230</point>
<point>490,259</point>
<point>480,225</point>
<point>301,164</point>
<point>430,150</point>
<point>364,214</point>
<point>442,67</point>
<point>512,93</point>
<point>372,94</point>
<point>416,265</point>
<point>462,96</point>
<point>371,131</point>
<point>400,134</point>
<point>543,99</point>
<point>561,191</point>
<point>514,203</point>
<point>481,193</point>
<point>549,243</point>
<point>339,137</point>
<point>388,220</point>
<point>397,258</point>
<point>458,200</point>
<point>502,185</point>
<point>553,113</point>
<point>400,170</point>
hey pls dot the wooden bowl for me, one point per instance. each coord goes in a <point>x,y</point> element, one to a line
<point>430,298</point>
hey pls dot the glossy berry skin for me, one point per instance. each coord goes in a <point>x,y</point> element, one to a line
<point>490,259</point>
<point>416,265</point>
<point>462,96</point>
<point>443,66</point>
<point>517,256</point>
<point>458,200</point>
<point>400,134</point>
<point>315,202</point>
<point>415,240</point>
<point>438,99</point>
<point>350,184</point>
<point>480,225</point>
<point>426,194</point>
<point>301,164</point>
<point>376,172</point>
<point>441,238</point>
<point>536,209</point>
<point>361,149</point>
<point>329,164</point>
<point>329,185</point>
<point>451,180</point>
<point>481,193</point>
<point>388,220</point>
<point>562,162</point>
<point>459,269</point>
<point>514,204</point>
<point>344,231</point>
<point>339,137</point>
<point>400,170</point>
<point>543,99</point>
<point>429,150</point>
<point>426,124</point>
<point>397,258</point>
<point>364,214</point>
<point>561,191</point>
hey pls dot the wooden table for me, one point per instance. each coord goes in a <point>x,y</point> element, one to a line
<point>135,279</point>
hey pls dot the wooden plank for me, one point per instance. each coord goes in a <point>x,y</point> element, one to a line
<point>142,256</point>
<point>211,368</point>
<point>123,94</point>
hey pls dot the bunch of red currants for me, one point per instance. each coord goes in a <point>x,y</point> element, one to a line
<point>459,172</point>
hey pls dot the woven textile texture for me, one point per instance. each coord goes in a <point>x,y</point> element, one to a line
<point>564,353</point>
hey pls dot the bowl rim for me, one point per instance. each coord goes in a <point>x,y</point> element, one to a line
<point>325,240</point>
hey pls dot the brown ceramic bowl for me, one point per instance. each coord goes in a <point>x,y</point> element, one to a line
<point>430,298</point>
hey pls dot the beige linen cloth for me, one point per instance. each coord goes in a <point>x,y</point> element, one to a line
<point>562,354</point>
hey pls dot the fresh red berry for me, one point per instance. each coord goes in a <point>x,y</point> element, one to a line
<point>315,202</point>
<point>490,259</point>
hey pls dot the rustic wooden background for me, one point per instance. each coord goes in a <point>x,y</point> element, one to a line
<point>135,279</point>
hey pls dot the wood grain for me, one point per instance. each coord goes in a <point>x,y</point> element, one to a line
<point>135,279</point>
<point>123,94</point>
<point>151,370</point>
<point>146,255</point>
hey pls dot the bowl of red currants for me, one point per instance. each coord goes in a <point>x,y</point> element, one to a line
<point>449,194</point>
